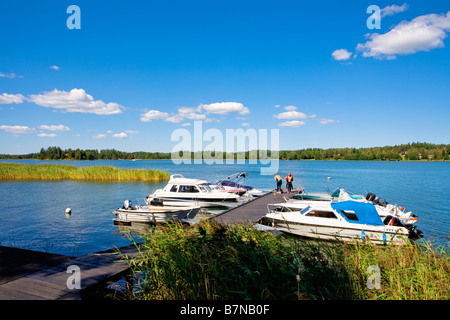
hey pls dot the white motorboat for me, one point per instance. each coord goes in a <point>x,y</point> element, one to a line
<point>218,187</point>
<point>346,221</point>
<point>154,213</point>
<point>237,182</point>
<point>182,191</point>
<point>383,208</point>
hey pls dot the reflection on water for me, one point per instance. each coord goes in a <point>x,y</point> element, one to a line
<point>32,214</point>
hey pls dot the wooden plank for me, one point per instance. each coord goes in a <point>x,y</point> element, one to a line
<point>36,287</point>
<point>6,294</point>
<point>42,278</point>
<point>15,262</point>
<point>251,211</point>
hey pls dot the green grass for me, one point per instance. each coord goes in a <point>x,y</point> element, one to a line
<point>209,261</point>
<point>13,171</point>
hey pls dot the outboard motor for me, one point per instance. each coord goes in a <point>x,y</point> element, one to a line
<point>414,233</point>
<point>127,204</point>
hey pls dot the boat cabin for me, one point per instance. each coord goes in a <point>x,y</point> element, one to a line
<point>350,211</point>
<point>178,183</point>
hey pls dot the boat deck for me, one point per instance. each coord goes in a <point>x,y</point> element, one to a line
<point>252,210</point>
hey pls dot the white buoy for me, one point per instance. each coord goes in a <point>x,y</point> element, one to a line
<point>329,178</point>
<point>68,211</point>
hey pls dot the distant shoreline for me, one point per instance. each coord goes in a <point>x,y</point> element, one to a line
<point>337,160</point>
<point>416,151</point>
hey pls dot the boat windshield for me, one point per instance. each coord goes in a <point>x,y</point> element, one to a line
<point>204,188</point>
<point>305,210</point>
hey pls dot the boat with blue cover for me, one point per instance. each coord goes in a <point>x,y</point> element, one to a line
<point>345,221</point>
<point>339,195</point>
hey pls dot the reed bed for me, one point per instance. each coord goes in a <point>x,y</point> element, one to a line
<point>14,171</point>
<point>210,261</point>
<point>417,271</point>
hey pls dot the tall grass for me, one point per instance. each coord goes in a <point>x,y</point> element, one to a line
<point>14,171</point>
<point>211,261</point>
<point>412,272</point>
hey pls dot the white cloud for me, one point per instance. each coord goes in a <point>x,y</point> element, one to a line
<point>290,108</point>
<point>54,67</point>
<point>187,124</point>
<point>277,106</point>
<point>341,54</point>
<point>394,9</point>
<point>246,124</point>
<point>9,75</point>
<point>293,123</point>
<point>175,118</point>
<point>59,127</point>
<point>17,129</point>
<point>77,100</point>
<point>153,115</point>
<point>47,135</point>
<point>191,113</point>
<point>225,108</point>
<point>99,136</point>
<point>209,120</point>
<point>121,135</point>
<point>130,131</point>
<point>326,121</point>
<point>291,115</point>
<point>6,98</point>
<point>423,33</point>
<point>184,113</point>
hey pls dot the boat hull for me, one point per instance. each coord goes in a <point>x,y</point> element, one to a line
<point>314,197</point>
<point>374,234</point>
<point>201,202</point>
<point>155,215</point>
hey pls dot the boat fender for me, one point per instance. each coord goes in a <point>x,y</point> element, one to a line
<point>391,223</point>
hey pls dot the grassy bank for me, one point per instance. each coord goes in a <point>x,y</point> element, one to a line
<point>13,171</point>
<point>209,261</point>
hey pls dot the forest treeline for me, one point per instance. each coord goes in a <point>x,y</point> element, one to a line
<point>410,151</point>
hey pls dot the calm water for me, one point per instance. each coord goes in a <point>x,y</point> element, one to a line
<point>32,214</point>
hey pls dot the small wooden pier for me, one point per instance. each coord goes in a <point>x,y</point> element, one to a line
<point>252,210</point>
<point>32,275</point>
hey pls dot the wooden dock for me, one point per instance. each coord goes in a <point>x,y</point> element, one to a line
<point>31,275</point>
<point>252,210</point>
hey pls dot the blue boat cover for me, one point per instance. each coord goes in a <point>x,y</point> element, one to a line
<point>365,212</point>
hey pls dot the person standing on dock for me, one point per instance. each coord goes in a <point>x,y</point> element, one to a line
<point>279,181</point>
<point>289,179</point>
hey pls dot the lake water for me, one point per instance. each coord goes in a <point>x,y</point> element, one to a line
<point>32,213</point>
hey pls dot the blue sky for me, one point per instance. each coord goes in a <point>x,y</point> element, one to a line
<point>138,70</point>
